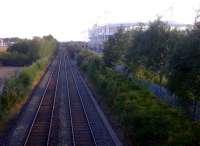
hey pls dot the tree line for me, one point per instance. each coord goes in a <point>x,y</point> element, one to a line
<point>144,120</point>
<point>161,54</point>
<point>25,52</point>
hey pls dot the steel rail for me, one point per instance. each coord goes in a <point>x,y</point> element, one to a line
<point>39,107</point>
<point>105,122</point>
<point>84,110</point>
<point>69,104</point>
<point>54,101</point>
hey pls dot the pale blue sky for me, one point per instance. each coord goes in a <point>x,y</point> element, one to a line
<point>70,19</point>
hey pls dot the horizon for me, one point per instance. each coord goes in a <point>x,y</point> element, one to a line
<point>70,20</point>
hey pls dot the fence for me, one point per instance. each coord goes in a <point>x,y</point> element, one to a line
<point>164,95</point>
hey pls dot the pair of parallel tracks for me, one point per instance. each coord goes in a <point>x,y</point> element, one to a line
<point>41,130</point>
<point>99,133</point>
<point>82,134</point>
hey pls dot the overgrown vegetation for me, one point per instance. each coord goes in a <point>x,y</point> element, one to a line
<point>161,54</point>
<point>35,52</point>
<point>145,120</point>
<point>16,88</point>
<point>184,78</point>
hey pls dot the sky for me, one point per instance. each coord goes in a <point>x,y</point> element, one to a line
<point>70,19</point>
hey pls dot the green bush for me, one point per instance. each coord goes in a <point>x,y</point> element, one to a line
<point>14,59</point>
<point>146,121</point>
<point>26,52</point>
<point>18,87</point>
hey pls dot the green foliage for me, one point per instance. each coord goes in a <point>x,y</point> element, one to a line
<point>89,57</point>
<point>184,77</point>
<point>34,53</point>
<point>14,58</point>
<point>150,122</point>
<point>159,54</point>
<point>146,121</point>
<point>25,52</point>
<point>18,87</point>
<point>185,67</point>
<point>115,48</point>
<point>142,73</point>
<point>74,47</point>
<point>153,47</point>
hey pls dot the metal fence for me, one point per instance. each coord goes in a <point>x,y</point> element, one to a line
<point>1,86</point>
<point>165,96</point>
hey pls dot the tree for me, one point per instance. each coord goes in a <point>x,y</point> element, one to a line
<point>25,52</point>
<point>115,48</point>
<point>21,47</point>
<point>184,78</point>
<point>151,47</point>
<point>136,48</point>
<point>156,47</point>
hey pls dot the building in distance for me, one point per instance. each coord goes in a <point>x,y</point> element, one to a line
<point>6,42</point>
<point>98,34</point>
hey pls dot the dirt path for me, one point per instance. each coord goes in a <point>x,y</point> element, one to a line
<point>7,71</point>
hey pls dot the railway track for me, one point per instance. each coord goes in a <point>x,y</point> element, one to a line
<point>40,130</point>
<point>66,114</point>
<point>82,134</point>
<point>86,114</point>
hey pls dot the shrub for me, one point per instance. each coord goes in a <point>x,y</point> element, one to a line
<point>146,121</point>
<point>17,87</point>
<point>26,52</point>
